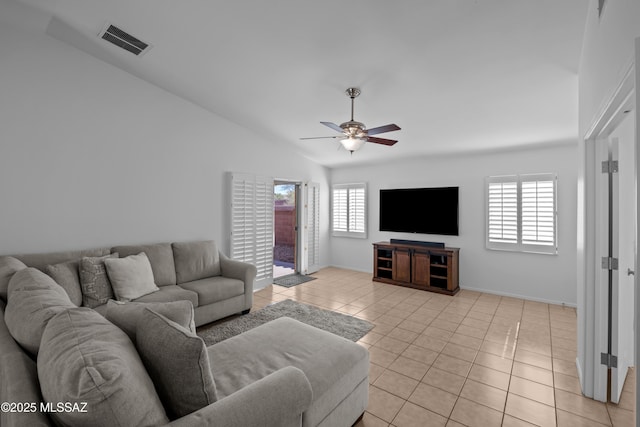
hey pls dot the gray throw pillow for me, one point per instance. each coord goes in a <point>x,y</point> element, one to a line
<point>196,260</point>
<point>178,363</point>
<point>160,256</point>
<point>131,277</point>
<point>86,359</point>
<point>67,275</point>
<point>8,267</point>
<point>126,315</point>
<point>96,287</point>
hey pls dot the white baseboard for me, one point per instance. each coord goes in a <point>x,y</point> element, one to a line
<point>525,297</point>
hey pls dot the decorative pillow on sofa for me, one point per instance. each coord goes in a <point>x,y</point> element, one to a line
<point>96,287</point>
<point>8,267</point>
<point>126,315</point>
<point>85,358</point>
<point>131,277</point>
<point>196,260</point>
<point>34,298</point>
<point>67,275</point>
<point>160,256</point>
<point>178,363</point>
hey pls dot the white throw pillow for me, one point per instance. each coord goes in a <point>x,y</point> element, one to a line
<point>130,277</point>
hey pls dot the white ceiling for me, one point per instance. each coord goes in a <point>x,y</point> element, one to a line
<point>453,74</point>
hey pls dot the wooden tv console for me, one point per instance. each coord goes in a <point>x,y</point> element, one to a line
<point>416,266</point>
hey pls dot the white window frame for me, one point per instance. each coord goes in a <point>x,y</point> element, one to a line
<point>349,210</point>
<point>510,200</point>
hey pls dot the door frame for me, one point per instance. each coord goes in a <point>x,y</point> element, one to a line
<point>298,214</point>
<point>591,334</point>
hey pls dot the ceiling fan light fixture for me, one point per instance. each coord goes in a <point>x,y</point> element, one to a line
<point>352,144</point>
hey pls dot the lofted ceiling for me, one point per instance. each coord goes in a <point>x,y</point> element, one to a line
<point>455,75</point>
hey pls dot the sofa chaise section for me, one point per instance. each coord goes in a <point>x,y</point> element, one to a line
<point>337,369</point>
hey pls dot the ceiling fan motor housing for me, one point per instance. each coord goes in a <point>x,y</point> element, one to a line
<point>353,92</point>
<point>354,129</point>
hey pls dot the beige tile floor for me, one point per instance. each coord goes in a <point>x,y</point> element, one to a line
<point>473,359</point>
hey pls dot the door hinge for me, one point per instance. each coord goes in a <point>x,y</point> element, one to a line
<point>610,166</point>
<point>609,263</point>
<point>609,360</point>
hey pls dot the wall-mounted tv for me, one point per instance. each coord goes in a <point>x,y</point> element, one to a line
<point>420,210</point>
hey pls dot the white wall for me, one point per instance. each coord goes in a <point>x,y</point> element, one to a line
<point>534,276</point>
<point>92,156</point>
<point>607,52</point>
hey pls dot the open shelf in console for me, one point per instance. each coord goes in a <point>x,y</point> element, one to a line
<point>416,266</point>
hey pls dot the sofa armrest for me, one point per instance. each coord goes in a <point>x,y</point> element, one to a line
<point>277,400</point>
<point>237,269</point>
<point>241,271</point>
<point>20,385</point>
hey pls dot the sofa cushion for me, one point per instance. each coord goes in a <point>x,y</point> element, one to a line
<point>34,298</point>
<point>178,363</point>
<point>131,277</point>
<point>214,289</point>
<point>96,287</point>
<point>67,275</point>
<point>20,384</point>
<point>8,267</point>
<point>170,293</point>
<point>126,315</point>
<point>160,256</point>
<point>196,260</point>
<point>85,358</point>
<point>333,365</point>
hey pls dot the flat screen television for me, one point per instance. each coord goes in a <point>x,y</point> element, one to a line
<point>420,210</point>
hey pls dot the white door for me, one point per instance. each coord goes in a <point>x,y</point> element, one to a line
<point>615,240</point>
<point>252,224</point>
<point>623,247</point>
<point>311,230</point>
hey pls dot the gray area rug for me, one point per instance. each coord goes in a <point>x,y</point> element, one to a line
<point>340,324</point>
<point>292,280</point>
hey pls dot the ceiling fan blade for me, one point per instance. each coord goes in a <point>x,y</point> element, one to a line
<point>333,126</point>
<point>382,129</point>
<point>324,137</point>
<point>382,141</point>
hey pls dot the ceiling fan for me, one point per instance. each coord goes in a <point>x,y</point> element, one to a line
<point>355,134</point>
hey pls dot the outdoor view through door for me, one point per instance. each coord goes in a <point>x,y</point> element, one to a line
<point>285,229</point>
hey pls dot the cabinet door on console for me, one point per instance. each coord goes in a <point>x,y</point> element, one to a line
<point>402,265</point>
<point>420,268</point>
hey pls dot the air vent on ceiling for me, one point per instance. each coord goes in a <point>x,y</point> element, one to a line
<point>124,40</point>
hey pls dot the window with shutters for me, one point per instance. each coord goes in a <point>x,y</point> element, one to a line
<point>349,210</point>
<point>522,213</point>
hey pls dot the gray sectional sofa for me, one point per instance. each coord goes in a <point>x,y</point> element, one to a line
<point>140,362</point>
<point>195,271</point>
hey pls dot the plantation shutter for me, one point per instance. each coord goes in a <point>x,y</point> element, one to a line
<point>357,218</point>
<point>242,218</point>
<point>539,210</point>
<point>503,211</point>
<point>340,210</point>
<point>349,210</point>
<point>312,227</point>
<point>252,224</point>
